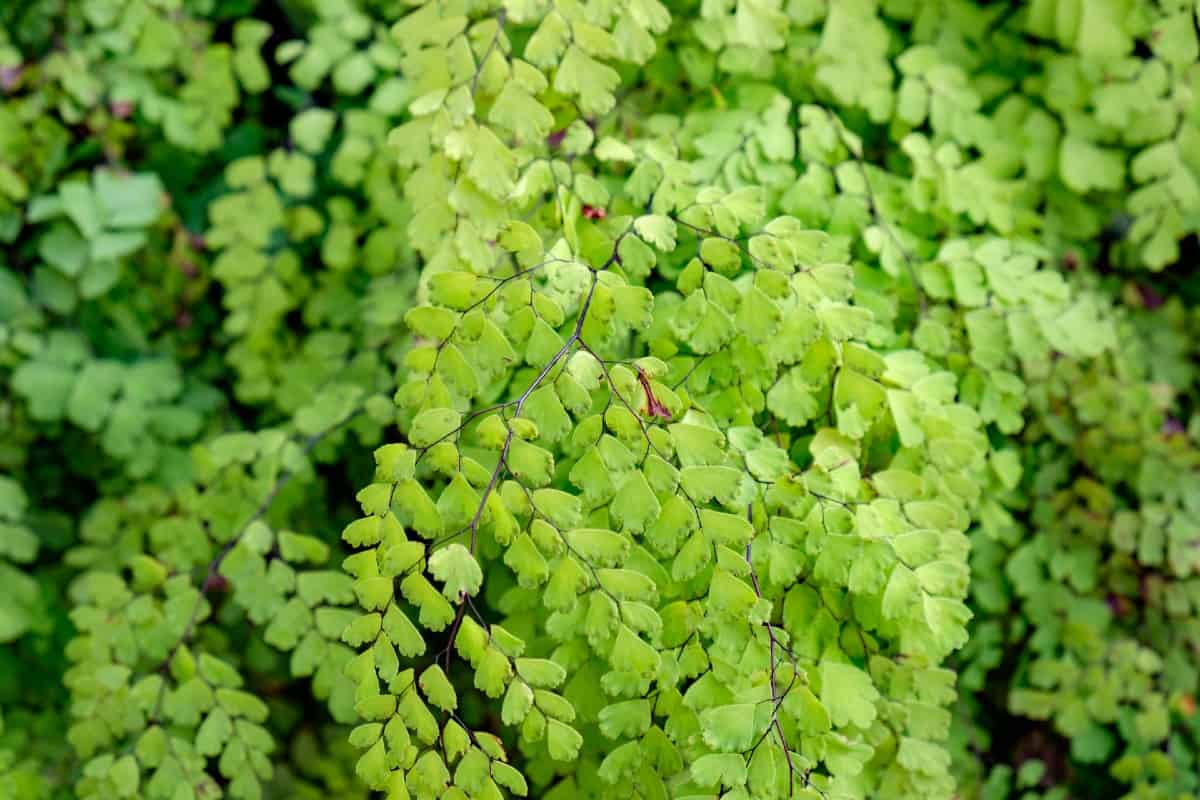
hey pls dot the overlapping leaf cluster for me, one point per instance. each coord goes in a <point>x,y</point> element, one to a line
<point>136,561</point>
<point>766,400</point>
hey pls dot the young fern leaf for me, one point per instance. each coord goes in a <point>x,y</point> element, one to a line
<point>156,706</point>
<point>730,584</point>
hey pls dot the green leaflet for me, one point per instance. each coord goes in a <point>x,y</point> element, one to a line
<point>457,570</point>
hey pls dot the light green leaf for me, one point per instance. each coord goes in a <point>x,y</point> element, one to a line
<point>848,693</point>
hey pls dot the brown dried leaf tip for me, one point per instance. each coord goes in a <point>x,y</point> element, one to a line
<point>654,407</point>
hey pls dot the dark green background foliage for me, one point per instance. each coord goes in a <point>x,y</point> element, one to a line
<point>583,398</point>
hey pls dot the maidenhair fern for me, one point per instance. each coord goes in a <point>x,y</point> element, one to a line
<point>751,597</point>
<point>567,399</point>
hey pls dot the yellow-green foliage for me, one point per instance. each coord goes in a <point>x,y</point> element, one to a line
<point>589,398</point>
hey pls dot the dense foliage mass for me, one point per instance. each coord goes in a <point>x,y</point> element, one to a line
<point>599,398</point>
